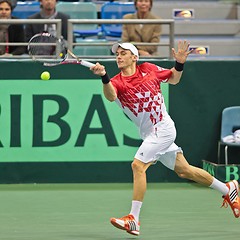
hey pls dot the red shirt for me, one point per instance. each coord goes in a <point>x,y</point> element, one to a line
<point>140,95</point>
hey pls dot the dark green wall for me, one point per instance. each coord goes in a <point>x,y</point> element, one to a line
<point>33,70</point>
<point>206,88</point>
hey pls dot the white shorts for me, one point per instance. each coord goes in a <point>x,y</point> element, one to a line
<point>160,146</point>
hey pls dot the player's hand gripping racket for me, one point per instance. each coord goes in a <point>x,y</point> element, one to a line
<point>51,51</point>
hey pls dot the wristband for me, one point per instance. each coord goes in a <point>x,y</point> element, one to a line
<point>105,79</point>
<point>179,66</point>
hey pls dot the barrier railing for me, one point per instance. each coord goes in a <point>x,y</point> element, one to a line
<point>169,22</point>
<point>58,23</point>
<point>71,22</point>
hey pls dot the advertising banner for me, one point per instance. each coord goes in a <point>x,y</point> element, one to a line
<point>63,120</point>
<point>223,172</point>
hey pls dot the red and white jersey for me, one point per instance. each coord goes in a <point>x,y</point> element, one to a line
<point>140,95</point>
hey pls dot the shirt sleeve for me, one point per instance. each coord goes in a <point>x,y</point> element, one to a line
<point>161,73</point>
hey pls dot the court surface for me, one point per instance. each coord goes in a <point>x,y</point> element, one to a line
<point>82,211</point>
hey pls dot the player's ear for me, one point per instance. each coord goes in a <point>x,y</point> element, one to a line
<point>135,58</point>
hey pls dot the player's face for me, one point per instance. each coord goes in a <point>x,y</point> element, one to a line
<point>125,58</point>
<point>48,5</point>
<point>143,6</point>
<point>5,11</point>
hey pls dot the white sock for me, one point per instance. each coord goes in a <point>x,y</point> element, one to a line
<point>219,186</point>
<point>135,210</point>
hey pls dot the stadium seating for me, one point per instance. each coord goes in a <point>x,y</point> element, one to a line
<point>115,10</point>
<point>25,9</point>
<point>81,10</point>
<point>230,124</point>
<point>90,50</point>
<point>84,33</point>
<point>216,24</point>
<point>203,9</point>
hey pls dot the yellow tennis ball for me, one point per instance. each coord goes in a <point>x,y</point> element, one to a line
<point>45,75</point>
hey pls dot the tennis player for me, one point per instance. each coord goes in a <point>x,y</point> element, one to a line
<point>136,89</point>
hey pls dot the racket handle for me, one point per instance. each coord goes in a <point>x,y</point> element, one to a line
<point>87,64</point>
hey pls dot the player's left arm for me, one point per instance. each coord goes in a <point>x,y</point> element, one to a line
<point>181,57</point>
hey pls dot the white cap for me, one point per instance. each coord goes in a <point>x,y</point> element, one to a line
<point>127,46</point>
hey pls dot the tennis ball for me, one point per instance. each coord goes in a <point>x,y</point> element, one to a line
<point>45,75</point>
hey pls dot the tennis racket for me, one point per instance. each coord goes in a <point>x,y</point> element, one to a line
<point>52,51</point>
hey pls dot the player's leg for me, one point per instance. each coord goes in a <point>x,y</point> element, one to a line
<point>229,190</point>
<point>139,179</point>
<point>184,170</point>
<point>130,222</point>
<point>157,143</point>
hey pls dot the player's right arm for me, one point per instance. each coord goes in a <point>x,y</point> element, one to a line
<point>109,92</point>
<point>108,89</point>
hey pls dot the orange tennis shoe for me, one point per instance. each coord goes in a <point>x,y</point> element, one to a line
<point>127,223</point>
<point>232,198</point>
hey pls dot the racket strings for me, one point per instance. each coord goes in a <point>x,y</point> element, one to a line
<point>46,46</point>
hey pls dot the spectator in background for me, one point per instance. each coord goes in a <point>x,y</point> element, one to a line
<point>149,33</point>
<point>48,11</point>
<point>10,33</point>
<point>14,3</point>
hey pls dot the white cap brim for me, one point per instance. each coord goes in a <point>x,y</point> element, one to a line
<point>127,46</point>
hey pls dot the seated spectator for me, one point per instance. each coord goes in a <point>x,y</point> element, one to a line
<point>48,11</point>
<point>149,33</point>
<point>10,33</point>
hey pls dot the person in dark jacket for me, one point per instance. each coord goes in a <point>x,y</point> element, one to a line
<point>10,33</point>
<point>48,11</point>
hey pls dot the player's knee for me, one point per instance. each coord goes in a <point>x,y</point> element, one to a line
<point>184,172</point>
<point>181,174</point>
<point>137,167</point>
<point>182,168</point>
